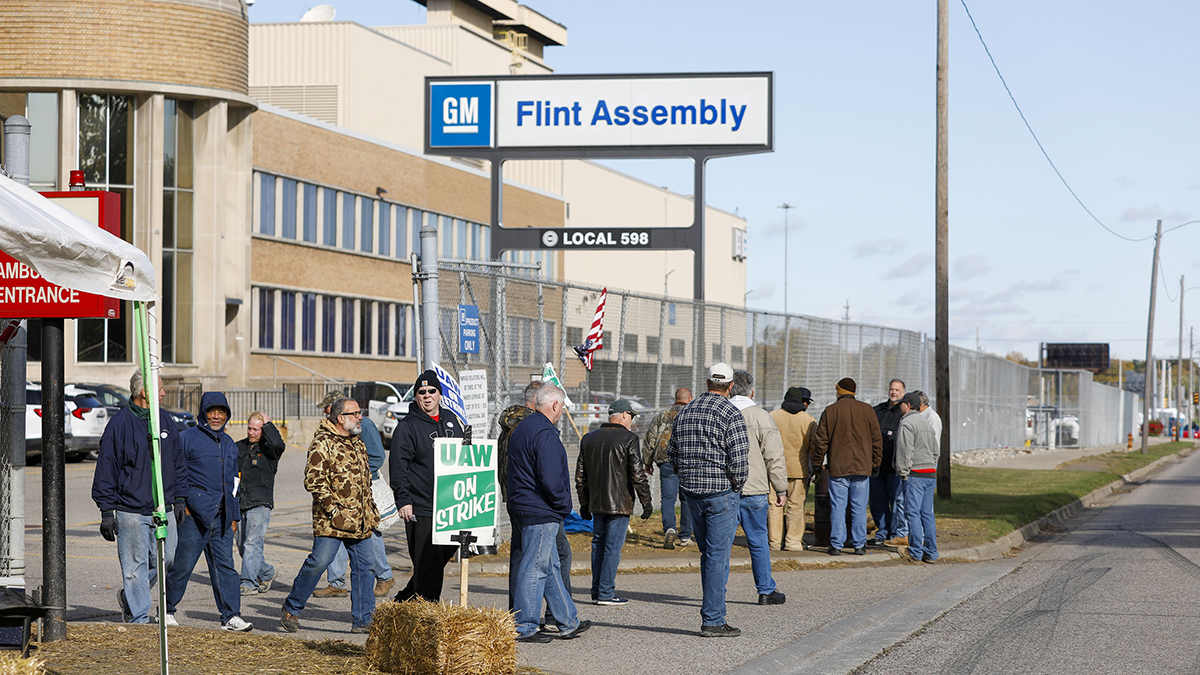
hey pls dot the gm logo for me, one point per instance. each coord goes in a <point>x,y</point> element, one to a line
<point>460,114</point>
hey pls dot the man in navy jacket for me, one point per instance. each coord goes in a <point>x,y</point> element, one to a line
<point>212,514</point>
<point>539,497</point>
<point>122,489</point>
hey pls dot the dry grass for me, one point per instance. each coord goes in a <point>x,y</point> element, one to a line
<point>116,649</point>
<point>11,663</point>
<point>417,636</point>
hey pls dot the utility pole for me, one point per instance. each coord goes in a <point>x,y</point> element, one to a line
<point>942,256</point>
<point>1179,370</point>
<point>1150,340</point>
<point>786,207</point>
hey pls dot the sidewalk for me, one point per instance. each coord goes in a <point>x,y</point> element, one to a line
<point>1042,459</point>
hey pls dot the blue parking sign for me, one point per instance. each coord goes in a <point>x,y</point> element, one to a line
<point>460,114</point>
<point>468,329</point>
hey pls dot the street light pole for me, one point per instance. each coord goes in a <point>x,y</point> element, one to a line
<point>1179,369</point>
<point>786,207</point>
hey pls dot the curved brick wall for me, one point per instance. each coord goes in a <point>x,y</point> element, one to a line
<point>202,43</point>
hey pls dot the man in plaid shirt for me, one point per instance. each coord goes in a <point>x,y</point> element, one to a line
<point>709,450</point>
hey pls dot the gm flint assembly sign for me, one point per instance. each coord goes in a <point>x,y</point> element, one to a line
<point>702,110</point>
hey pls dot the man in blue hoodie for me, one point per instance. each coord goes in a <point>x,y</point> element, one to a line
<point>121,488</point>
<point>539,498</point>
<point>212,514</point>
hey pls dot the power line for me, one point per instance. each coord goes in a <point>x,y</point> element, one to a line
<point>1035,138</point>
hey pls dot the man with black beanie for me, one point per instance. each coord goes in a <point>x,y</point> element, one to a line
<point>411,473</point>
<point>796,428</point>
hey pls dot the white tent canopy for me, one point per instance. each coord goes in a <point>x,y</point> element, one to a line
<point>69,251</point>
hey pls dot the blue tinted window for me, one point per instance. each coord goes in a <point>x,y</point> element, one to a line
<point>266,202</point>
<point>385,228</point>
<point>348,221</point>
<point>330,217</point>
<point>288,207</point>
<point>310,213</point>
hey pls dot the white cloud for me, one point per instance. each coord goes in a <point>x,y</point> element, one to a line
<point>911,267</point>
<point>1153,212</point>
<point>872,247</point>
<point>971,267</point>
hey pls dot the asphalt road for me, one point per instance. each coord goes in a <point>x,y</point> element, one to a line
<point>1114,591</point>
<point>1117,592</point>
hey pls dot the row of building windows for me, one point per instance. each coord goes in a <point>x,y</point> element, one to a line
<point>325,216</point>
<point>326,324</point>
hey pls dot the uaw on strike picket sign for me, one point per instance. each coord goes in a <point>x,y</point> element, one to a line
<point>465,492</point>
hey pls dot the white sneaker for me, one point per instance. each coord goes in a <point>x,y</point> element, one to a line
<point>237,624</point>
<point>171,620</point>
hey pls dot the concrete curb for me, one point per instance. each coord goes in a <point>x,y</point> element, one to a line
<point>988,551</point>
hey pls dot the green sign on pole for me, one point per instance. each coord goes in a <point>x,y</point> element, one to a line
<point>465,492</point>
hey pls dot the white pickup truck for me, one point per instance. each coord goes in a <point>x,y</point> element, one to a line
<point>387,403</point>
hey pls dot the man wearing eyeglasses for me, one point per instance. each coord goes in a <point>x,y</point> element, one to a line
<point>411,469</point>
<point>338,475</point>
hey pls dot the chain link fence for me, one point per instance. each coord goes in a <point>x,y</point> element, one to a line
<point>654,344</point>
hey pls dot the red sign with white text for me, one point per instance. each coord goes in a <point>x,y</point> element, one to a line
<point>24,294</point>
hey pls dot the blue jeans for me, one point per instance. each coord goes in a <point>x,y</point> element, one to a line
<point>608,537</point>
<point>564,564</point>
<point>381,569</point>
<point>752,516</point>
<point>138,553</point>
<point>217,547</point>
<point>852,489</point>
<point>539,576</point>
<point>922,529</point>
<point>669,482</point>
<point>251,536</point>
<point>715,519</point>
<point>362,586</point>
<point>887,507</point>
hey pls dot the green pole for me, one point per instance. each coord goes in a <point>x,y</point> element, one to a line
<point>141,331</point>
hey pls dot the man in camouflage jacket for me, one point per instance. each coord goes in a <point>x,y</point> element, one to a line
<point>654,453</point>
<point>344,512</point>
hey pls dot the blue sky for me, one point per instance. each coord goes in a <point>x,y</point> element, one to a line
<point>1109,87</point>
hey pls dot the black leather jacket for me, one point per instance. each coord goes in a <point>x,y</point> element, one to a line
<point>609,471</point>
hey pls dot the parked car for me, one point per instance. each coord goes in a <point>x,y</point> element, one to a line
<point>33,425</point>
<point>114,398</point>
<point>88,419</point>
<point>396,409</point>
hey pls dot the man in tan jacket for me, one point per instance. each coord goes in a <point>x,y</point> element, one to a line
<point>344,512</point>
<point>768,473</point>
<point>796,427</point>
<point>849,433</point>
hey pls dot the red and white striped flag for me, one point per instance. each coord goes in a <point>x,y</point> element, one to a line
<point>595,338</point>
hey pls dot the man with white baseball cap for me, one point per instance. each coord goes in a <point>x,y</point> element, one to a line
<point>709,450</point>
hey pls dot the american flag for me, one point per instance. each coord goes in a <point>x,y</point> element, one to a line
<point>595,338</point>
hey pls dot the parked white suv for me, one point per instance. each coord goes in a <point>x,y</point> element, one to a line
<point>88,419</point>
<point>33,426</point>
<point>396,409</point>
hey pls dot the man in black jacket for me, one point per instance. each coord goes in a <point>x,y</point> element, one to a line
<point>887,491</point>
<point>258,461</point>
<point>607,473</point>
<point>411,475</point>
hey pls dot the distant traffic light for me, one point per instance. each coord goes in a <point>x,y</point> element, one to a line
<point>1196,398</point>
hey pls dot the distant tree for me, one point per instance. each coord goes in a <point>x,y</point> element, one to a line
<point>1018,357</point>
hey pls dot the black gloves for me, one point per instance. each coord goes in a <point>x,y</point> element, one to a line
<point>875,472</point>
<point>108,524</point>
<point>466,439</point>
<point>585,514</point>
<point>815,476</point>
<point>180,511</point>
<point>647,510</point>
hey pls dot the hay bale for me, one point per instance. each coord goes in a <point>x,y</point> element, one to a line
<point>425,638</point>
<point>11,663</point>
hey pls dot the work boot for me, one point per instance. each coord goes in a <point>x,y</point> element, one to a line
<point>289,622</point>
<point>383,586</point>
<point>331,592</point>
